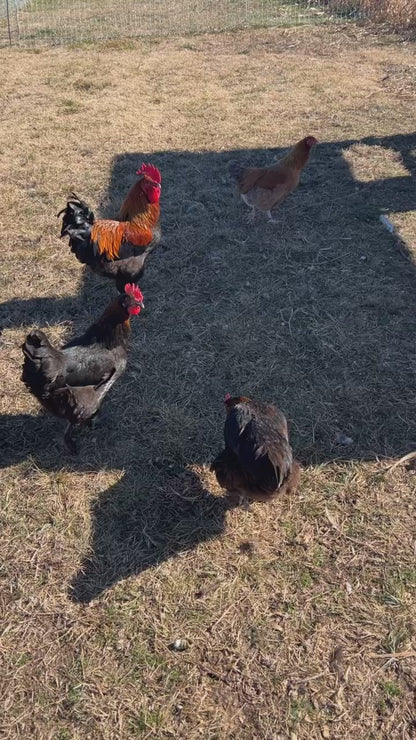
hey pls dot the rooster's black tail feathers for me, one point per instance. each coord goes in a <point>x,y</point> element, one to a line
<point>77,219</point>
<point>236,170</point>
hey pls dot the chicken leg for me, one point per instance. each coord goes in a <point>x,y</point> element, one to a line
<point>69,440</point>
<point>251,216</point>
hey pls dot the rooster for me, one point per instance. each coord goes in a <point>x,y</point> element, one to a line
<point>117,249</point>
<point>266,187</point>
<point>71,382</point>
<point>257,461</point>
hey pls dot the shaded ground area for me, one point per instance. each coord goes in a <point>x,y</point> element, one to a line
<point>298,617</point>
<point>317,311</point>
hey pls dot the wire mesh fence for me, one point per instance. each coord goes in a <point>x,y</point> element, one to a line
<point>32,22</point>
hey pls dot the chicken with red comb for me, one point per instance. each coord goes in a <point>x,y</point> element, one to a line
<point>72,382</point>
<point>137,295</point>
<point>117,249</point>
<point>257,461</point>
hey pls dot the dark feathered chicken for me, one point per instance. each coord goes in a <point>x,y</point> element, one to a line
<point>257,461</point>
<point>71,382</point>
<point>117,249</point>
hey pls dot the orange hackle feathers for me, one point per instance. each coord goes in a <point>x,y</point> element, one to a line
<point>139,228</point>
<point>134,203</point>
<point>137,216</point>
<point>108,236</point>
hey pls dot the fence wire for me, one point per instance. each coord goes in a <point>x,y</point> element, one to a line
<point>32,22</point>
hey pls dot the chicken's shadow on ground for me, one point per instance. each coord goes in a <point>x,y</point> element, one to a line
<point>76,310</point>
<point>133,532</point>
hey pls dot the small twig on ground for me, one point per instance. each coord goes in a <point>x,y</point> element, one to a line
<point>394,656</point>
<point>404,459</point>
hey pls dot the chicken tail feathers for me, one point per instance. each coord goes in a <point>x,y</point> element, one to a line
<point>228,470</point>
<point>291,483</point>
<point>236,170</point>
<point>41,363</point>
<point>77,220</point>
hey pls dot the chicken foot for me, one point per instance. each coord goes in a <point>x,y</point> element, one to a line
<point>271,220</point>
<point>244,502</point>
<point>251,216</point>
<point>69,440</point>
<point>237,499</point>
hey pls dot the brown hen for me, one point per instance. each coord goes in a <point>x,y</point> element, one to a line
<point>265,188</point>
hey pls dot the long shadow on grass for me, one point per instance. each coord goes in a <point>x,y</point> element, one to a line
<point>133,531</point>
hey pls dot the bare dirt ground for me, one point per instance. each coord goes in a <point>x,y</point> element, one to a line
<point>298,617</point>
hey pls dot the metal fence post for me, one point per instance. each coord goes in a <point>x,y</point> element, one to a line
<point>8,22</point>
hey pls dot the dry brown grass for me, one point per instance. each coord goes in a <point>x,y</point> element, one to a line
<point>298,617</point>
<point>397,13</point>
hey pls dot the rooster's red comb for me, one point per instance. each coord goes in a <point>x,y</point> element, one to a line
<point>150,171</point>
<point>134,291</point>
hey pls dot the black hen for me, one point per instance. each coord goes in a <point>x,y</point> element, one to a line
<point>257,462</point>
<point>71,382</point>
